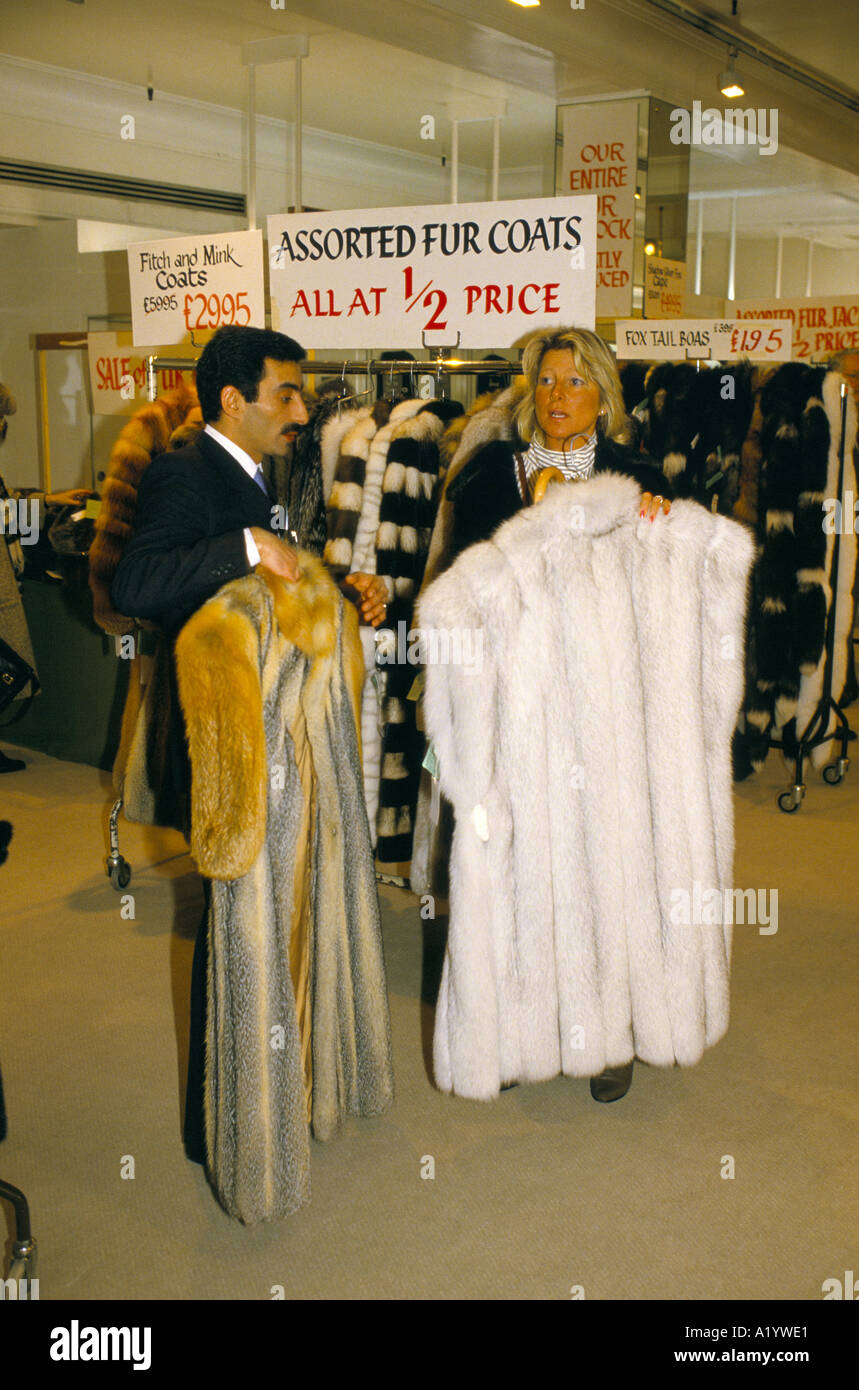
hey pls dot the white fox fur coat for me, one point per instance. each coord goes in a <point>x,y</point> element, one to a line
<point>589,768</point>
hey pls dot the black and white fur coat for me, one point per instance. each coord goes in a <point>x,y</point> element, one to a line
<point>588,763</point>
<point>379,468</point>
<point>793,582</point>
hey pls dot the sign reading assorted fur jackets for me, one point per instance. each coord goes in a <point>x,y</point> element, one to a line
<point>490,272</point>
<point>194,284</point>
<point>681,340</point>
<point>821,326</point>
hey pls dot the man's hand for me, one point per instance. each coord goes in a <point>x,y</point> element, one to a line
<point>276,555</point>
<point>373,593</point>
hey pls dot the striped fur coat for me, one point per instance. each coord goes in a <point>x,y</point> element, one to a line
<point>383,467</point>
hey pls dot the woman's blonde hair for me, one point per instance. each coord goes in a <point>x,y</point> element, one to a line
<point>594,363</point>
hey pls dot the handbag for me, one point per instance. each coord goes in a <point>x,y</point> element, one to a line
<point>15,673</point>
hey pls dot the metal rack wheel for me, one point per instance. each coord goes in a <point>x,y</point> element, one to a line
<point>834,772</point>
<point>789,801</point>
<point>119,872</point>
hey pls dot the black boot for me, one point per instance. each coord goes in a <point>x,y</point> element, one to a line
<point>613,1083</point>
<point>10,764</point>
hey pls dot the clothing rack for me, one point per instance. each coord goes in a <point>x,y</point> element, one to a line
<point>816,731</point>
<point>438,366</point>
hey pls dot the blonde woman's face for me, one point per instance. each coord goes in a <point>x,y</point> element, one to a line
<point>566,405</point>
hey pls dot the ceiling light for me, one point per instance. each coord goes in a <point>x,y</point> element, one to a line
<point>650,248</point>
<point>729,80</point>
<point>526,4</point>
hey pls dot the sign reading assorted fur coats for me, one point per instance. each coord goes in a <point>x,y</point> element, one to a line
<point>491,272</point>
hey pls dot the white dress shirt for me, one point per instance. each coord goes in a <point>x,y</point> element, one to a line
<point>250,466</point>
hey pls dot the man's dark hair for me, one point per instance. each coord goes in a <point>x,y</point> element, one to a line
<point>236,357</point>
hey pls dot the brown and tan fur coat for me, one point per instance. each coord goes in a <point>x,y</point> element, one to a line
<point>298,1032</point>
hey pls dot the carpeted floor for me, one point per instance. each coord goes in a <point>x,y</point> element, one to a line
<point>532,1195</point>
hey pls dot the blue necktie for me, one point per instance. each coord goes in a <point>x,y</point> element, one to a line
<point>260,480</point>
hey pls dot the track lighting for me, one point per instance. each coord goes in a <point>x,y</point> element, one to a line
<point>729,80</point>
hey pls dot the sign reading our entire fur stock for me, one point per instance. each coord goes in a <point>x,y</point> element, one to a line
<point>680,340</point>
<point>193,284</point>
<point>600,155</point>
<point>491,272</point>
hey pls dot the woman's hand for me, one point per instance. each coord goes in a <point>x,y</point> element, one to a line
<point>654,506</point>
<point>71,498</point>
<point>373,593</point>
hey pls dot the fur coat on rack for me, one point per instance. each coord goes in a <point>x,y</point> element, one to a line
<point>380,468</point>
<point>298,1032</point>
<point>588,763</point>
<point>799,438</point>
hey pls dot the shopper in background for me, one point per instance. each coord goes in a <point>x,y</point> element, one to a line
<point>13,622</point>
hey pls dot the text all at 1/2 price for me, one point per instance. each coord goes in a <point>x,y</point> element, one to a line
<point>475,299</point>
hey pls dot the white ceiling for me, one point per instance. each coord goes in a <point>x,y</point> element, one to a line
<point>377,66</point>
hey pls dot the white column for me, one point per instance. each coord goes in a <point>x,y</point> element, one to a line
<point>296,177</point>
<point>454,164</point>
<point>808,267</point>
<point>732,260</point>
<point>778,263</point>
<point>699,245</point>
<point>251,194</point>
<point>496,151</point>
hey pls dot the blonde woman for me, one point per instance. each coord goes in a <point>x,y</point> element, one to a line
<point>569,423</point>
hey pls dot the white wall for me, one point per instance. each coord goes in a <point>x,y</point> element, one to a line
<point>46,287</point>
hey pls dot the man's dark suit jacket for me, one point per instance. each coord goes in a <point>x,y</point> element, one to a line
<point>188,540</point>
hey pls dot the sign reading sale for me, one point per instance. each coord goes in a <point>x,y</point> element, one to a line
<point>118,374</point>
<point>184,284</point>
<point>491,272</point>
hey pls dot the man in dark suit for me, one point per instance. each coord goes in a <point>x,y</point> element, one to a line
<point>204,517</point>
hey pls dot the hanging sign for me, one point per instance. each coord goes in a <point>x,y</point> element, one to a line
<point>188,284</point>
<point>676,340</point>
<point>821,326</point>
<point>600,156</point>
<point>117,373</point>
<point>492,272</point>
<point>664,288</point>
